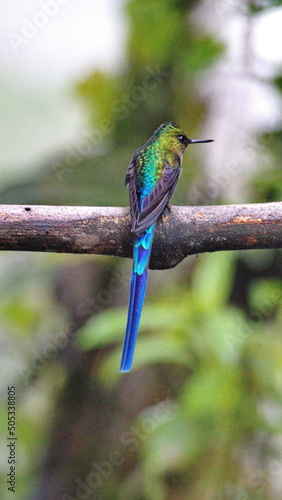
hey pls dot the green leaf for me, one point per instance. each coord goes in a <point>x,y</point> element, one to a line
<point>153,349</point>
<point>212,279</point>
<point>265,296</point>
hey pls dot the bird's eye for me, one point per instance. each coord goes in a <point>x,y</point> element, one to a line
<point>182,139</point>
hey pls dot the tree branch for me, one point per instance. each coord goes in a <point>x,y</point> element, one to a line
<point>106,230</point>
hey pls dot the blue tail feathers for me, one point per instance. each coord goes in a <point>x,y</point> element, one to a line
<point>141,257</point>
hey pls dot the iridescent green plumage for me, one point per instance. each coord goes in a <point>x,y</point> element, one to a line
<point>152,176</point>
<point>163,147</point>
<point>153,173</point>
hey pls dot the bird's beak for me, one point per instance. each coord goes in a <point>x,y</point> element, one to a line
<point>194,141</point>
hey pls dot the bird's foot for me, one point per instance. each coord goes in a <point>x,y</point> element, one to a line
<point>167,210</point>
<point>165,213</point>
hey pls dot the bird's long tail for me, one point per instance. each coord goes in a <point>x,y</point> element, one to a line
<point>141,256</point>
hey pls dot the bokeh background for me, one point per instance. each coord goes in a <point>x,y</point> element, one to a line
<point>83,84</point>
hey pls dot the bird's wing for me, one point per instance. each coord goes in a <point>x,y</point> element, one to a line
<point>154,204</point>
<point>130,180</point>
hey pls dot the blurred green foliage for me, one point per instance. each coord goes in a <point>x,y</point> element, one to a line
<point>235,376</point>
<point>267,184</point>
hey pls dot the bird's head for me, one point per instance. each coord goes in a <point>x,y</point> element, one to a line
<point>173,139</point>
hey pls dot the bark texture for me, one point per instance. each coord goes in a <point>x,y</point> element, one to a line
<point>106,230</point>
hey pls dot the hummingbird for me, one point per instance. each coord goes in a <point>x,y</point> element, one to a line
<point>152,175</point>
